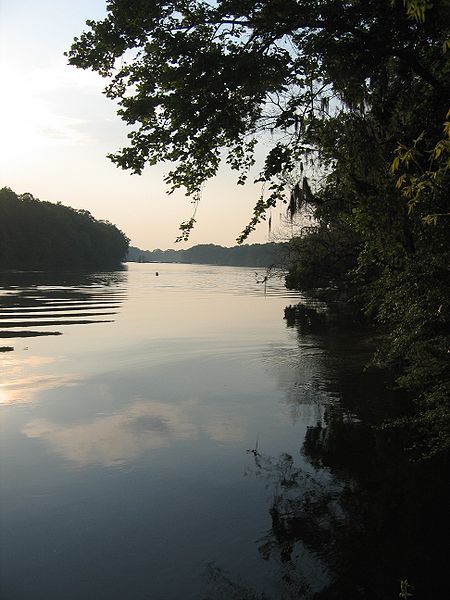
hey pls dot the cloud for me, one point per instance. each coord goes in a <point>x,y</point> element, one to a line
<point>48,106</point>
<point>59,75</point>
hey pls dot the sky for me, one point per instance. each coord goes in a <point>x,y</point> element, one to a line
<point>57,127</point>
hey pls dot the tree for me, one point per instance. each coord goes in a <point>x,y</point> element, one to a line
<point>196,79</point>
<point>351,98</point>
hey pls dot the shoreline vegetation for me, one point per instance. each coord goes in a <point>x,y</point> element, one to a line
<point>39,235</point>
<point>248,255</point>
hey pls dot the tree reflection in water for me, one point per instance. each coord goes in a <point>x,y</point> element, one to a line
<point>32,301</point>
<point>379,518</point>
<point>362,517</point>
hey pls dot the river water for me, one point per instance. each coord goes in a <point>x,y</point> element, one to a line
<point>171,436</point>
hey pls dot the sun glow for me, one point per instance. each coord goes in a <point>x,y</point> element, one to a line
<point>3,397</point>
<point>29,122</point>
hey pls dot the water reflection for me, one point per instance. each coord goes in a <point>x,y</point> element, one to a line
<point>363,516</point>
<point>124,477</point>
<point>377,519</point>
<point>32,305</point>
<point>116,439</point>
<point>31,302</point>
<point>22,391</point>
<point>123,444</point>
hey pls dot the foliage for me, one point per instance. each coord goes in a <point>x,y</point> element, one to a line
<point>323,258</point>
<point>413,304</point>
<point>199,80</point>
<point>405,590</point>
<point>42,235</point>
<point>425,170</point>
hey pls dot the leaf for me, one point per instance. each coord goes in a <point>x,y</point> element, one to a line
<point>400,181</point>
<point>395,165</point>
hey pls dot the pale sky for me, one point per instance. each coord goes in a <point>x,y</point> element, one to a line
<point>56,128</point>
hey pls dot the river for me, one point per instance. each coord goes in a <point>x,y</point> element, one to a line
<point>167,435</point>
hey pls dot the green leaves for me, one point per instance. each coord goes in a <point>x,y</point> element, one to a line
<point>416,9</point>
<point>185,229</point>
<point>425,171</point>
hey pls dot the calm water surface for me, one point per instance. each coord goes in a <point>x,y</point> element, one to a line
<point>125,470</point>
<point>169,437</point>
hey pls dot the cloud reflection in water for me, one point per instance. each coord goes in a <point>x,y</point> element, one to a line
<point>118,438</point>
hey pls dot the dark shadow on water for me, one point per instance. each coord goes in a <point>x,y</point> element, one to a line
<point>362,517</point>
<point>40,299</point>
<point>375,520</point>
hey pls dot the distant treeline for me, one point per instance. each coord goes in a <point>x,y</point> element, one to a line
<point>42,235</point>
<point>254,255</point>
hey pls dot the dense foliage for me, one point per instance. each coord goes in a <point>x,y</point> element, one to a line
<point>355,97</point>
<point>245,255</point>
<point>42,235</point>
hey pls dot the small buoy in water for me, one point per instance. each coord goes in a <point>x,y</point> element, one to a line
<point>156,273</point>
